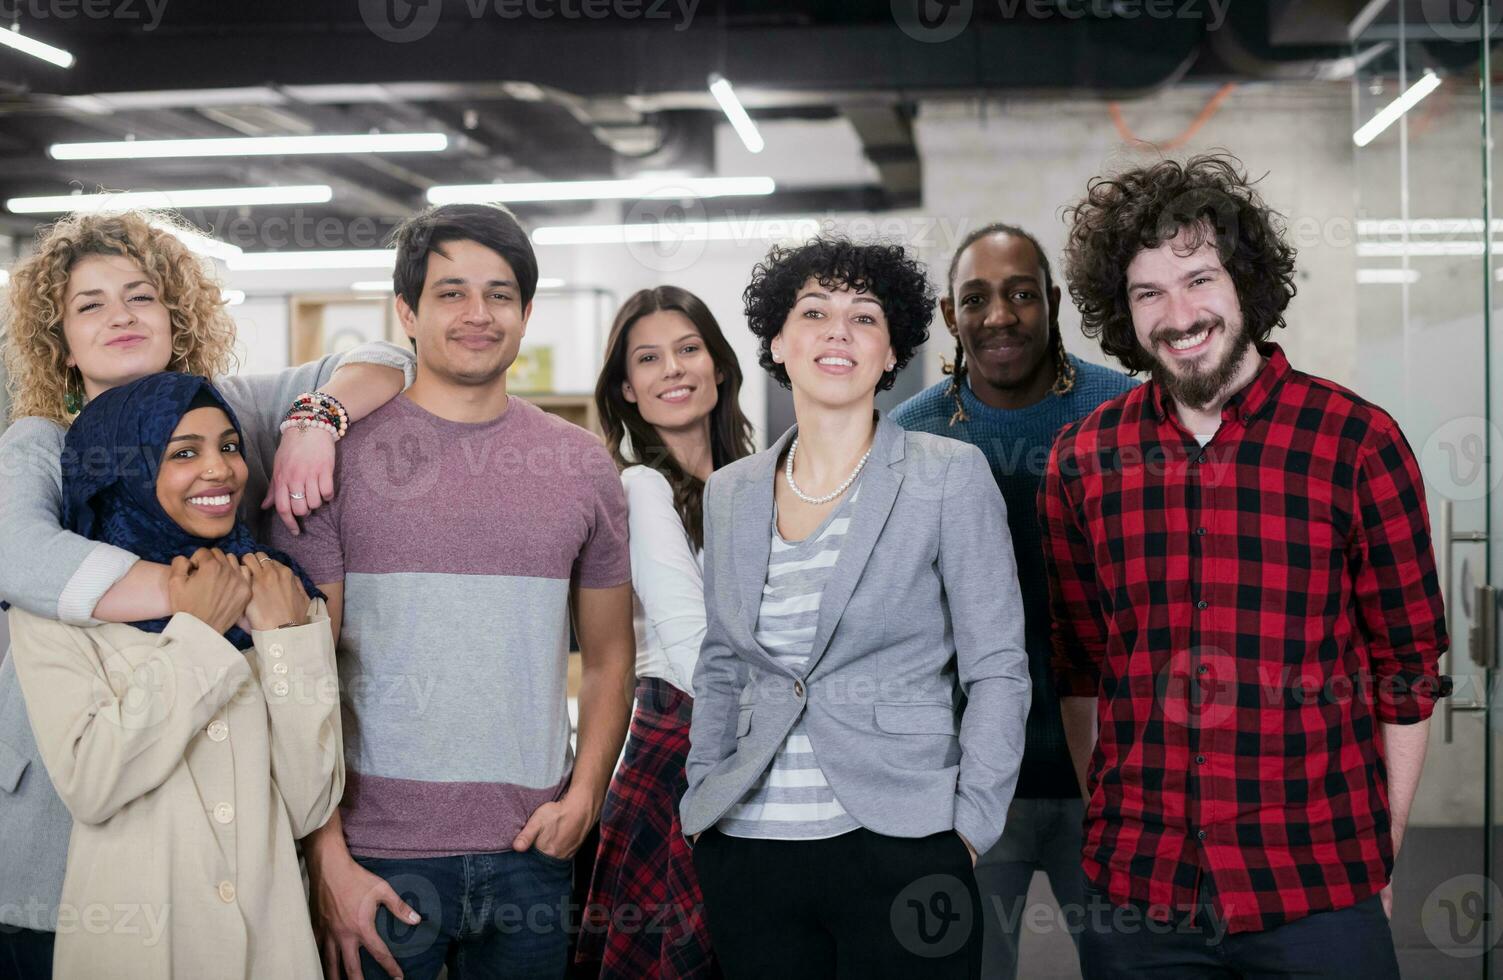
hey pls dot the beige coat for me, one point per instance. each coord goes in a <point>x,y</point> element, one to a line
<point>190,768</point>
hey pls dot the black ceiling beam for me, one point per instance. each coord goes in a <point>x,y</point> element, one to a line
<point>1109,56</point>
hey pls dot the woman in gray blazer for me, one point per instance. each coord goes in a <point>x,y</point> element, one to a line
<point>862,688</point>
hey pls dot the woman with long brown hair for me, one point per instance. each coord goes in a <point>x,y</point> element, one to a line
<point>667,397</point>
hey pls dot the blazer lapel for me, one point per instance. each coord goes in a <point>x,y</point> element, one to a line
<point>878,492</point>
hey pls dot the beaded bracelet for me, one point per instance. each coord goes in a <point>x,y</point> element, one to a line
<point>315,409</point>
<point>306,422</point>
<point>322,406</point>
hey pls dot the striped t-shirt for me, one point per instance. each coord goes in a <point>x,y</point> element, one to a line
<point>457,544</point>
<point>792,800</point>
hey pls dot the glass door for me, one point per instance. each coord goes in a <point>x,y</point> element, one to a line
<point>1425,266</point>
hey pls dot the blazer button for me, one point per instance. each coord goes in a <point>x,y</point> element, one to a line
<point>218,731</point>
<point>226,892</point>
<point>279,688</point>
<point>224,813</point>
<point>275,651</point>
<point>279,668</point>
<point>798,688</point>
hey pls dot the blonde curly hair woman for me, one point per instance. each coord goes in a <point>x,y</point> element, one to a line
<point>45,377</point>
<point>104,300</point>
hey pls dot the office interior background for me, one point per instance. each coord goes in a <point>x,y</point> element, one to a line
<point>910,120</point>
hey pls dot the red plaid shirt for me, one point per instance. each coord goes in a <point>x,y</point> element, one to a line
<point>1248,613</point>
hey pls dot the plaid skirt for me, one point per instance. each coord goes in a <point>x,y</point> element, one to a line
<point>645,916</point>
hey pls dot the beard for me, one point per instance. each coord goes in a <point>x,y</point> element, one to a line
<point>1198,385</point>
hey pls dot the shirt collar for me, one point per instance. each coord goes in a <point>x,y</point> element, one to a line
<point>1245,403</point>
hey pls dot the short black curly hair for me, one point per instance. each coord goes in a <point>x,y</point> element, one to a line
<point>1208,194</point>
<point>898,280</point>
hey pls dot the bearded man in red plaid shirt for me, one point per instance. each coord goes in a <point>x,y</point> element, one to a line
<point>1247,620</point>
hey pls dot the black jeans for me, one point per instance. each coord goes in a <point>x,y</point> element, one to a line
<point>860,905</point>
<point>25,954</point>
<point>1122,944</point>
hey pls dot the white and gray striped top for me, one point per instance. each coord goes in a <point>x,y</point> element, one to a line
<point>792,800</point>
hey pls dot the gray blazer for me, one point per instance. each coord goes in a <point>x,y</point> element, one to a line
<point>917,686</point>
<point>38,562</point>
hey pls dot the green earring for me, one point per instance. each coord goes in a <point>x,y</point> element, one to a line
<point>73,402</point>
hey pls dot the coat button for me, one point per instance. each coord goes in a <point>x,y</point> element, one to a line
<point>279,668</point>
<point>798,688</point>
<point>218,731</point>
<point>275,651</point>
<point>279,688</point>
<point>224,813</point>
<point>226,891</point>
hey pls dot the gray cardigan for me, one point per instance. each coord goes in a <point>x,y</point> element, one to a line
<point>54,573</point>
<point>917,687</point>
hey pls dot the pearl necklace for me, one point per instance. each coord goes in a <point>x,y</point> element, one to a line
<point>788,473</point>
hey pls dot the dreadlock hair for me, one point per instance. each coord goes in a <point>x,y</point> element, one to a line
<point>1064,372</point>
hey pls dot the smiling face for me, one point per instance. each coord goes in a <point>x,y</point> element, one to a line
<point>1002,315</point>
<point>203,474</point>
<point>834,344</point>
<point>114,323</point>
<point>670,374</point>
<point>470,318</point>
<point>1187,318</point>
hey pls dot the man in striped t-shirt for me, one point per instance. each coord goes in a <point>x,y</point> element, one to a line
<point>467,524</point>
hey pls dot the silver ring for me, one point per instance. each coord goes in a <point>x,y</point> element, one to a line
<point>297,496</point>
<point>264,561</point>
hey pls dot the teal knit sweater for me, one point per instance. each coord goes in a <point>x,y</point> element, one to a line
<point>1017,444</point>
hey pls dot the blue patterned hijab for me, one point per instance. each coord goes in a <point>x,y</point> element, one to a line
<point>111,458</point>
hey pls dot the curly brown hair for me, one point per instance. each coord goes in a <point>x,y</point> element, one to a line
<point>35,350</point>
<point>1208,196</point>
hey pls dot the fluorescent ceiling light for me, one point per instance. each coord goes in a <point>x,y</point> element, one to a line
<point>602,190</point>
<point>736,113</point>
<point>13,38</point>
<point>202,244</point>
<point>1394,227</point>
<point>1387,277</point>
<point>375,258</point>
<point>385,286</point>
<point>1385,117</point>
<point>217,197</point>
<point>246,146</point>
<point>233,297</point>
<point>758,229</point>
<point>1423,250</point>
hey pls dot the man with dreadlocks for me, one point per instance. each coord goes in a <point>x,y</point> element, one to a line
<point>1011,389</point>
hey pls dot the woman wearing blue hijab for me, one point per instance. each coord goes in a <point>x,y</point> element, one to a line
<point>192,751</point>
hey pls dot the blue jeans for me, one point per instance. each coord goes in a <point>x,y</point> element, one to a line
<point>1119,944</point>
<point>1041,835</point>
<point>484,916</point>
